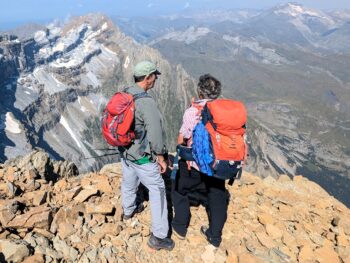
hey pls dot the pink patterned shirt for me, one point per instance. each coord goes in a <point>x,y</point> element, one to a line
<point>190,119</point>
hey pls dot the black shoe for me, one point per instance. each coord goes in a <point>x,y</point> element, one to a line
<point>139,208</point>
<point>203,231</point>
<point>160,243</point>
<point>178,235</point>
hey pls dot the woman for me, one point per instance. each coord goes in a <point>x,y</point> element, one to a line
<point>190,180</point>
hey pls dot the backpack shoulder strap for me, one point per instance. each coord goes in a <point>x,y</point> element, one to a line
<point>141,95</point>
<point>137,95</point>
<point>140,134</point>
<point>126,90</point>
<point>207,117</point>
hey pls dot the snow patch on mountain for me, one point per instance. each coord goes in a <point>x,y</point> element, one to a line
<point>268,55</point>
<point>77,58</point>
<point>61,44</point>
<point>214,16</point>
<point>40,37</point>
<point>11,124</point>
<point>65,124</point>
<point>302,27</point>
<point>86,105</point>
<point>107,50</point>
<point>83,109</point>
<point>295,10</point>
<point>299,12</point>
<point>104,26</point>
<point>54,30</point>
<point>127,62</point>
<point>189,36</point>
<point>51,83</point>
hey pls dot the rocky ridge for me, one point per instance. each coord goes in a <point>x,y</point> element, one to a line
<point>70,218</point>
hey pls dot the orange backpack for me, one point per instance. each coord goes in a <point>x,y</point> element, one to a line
<point>219,147</point>
<point>226,126</point>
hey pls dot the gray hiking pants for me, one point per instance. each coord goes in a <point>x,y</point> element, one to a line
<point>148,174</point>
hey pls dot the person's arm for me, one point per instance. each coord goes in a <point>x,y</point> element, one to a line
<point>153,126</point>
<point>180,139</point>
<point>189,120</point>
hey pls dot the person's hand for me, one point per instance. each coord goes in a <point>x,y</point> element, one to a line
<point>170,164</point>
<point>162,167</point>
<point>162,164</point>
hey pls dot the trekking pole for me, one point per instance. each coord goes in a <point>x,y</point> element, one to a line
<point>99,156</point>
<point>104,149</point>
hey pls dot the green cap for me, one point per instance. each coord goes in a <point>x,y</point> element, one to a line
<point>145,68</point>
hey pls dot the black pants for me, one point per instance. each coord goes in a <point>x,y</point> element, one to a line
<point>194,188</point>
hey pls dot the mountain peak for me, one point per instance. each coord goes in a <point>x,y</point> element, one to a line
<point>295,10</point>
<point>301,15</point>
<point>95,21</point>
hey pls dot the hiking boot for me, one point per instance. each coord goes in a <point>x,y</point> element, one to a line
<point>178,235</point>
<point>160,243</point>
<point>139,208</point>
<point>204,230</point>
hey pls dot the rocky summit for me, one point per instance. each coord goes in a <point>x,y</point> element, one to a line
<point>49,213</point>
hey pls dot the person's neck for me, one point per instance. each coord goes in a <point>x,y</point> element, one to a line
<point>142,85</point>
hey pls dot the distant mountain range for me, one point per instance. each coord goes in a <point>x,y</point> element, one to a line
<point>289,64</point>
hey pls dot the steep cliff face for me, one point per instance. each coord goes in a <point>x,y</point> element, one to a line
<point>57,83</point>
<point>10,53</point>
<point>281,142</point>
<point>80,219</point>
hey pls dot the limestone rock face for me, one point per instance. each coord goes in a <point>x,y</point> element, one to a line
<point>56,84</point>
<point>79,220</point>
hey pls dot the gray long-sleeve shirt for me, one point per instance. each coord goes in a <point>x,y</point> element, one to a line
<point>148,127</point>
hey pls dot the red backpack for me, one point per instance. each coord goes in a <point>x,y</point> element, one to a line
<point>118,118</point>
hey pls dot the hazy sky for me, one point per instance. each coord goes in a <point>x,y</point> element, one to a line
<point>44,10</point>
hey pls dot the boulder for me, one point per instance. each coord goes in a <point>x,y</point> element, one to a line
<point>85,194</point>
<point>14,250</point>
<point>102,208</point>
<point>39,217</point>
<point>68,252</point>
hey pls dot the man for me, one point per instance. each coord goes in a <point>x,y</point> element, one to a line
<point>143,160</point>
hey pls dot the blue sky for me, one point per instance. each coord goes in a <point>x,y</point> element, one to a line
<point>20,11</point>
